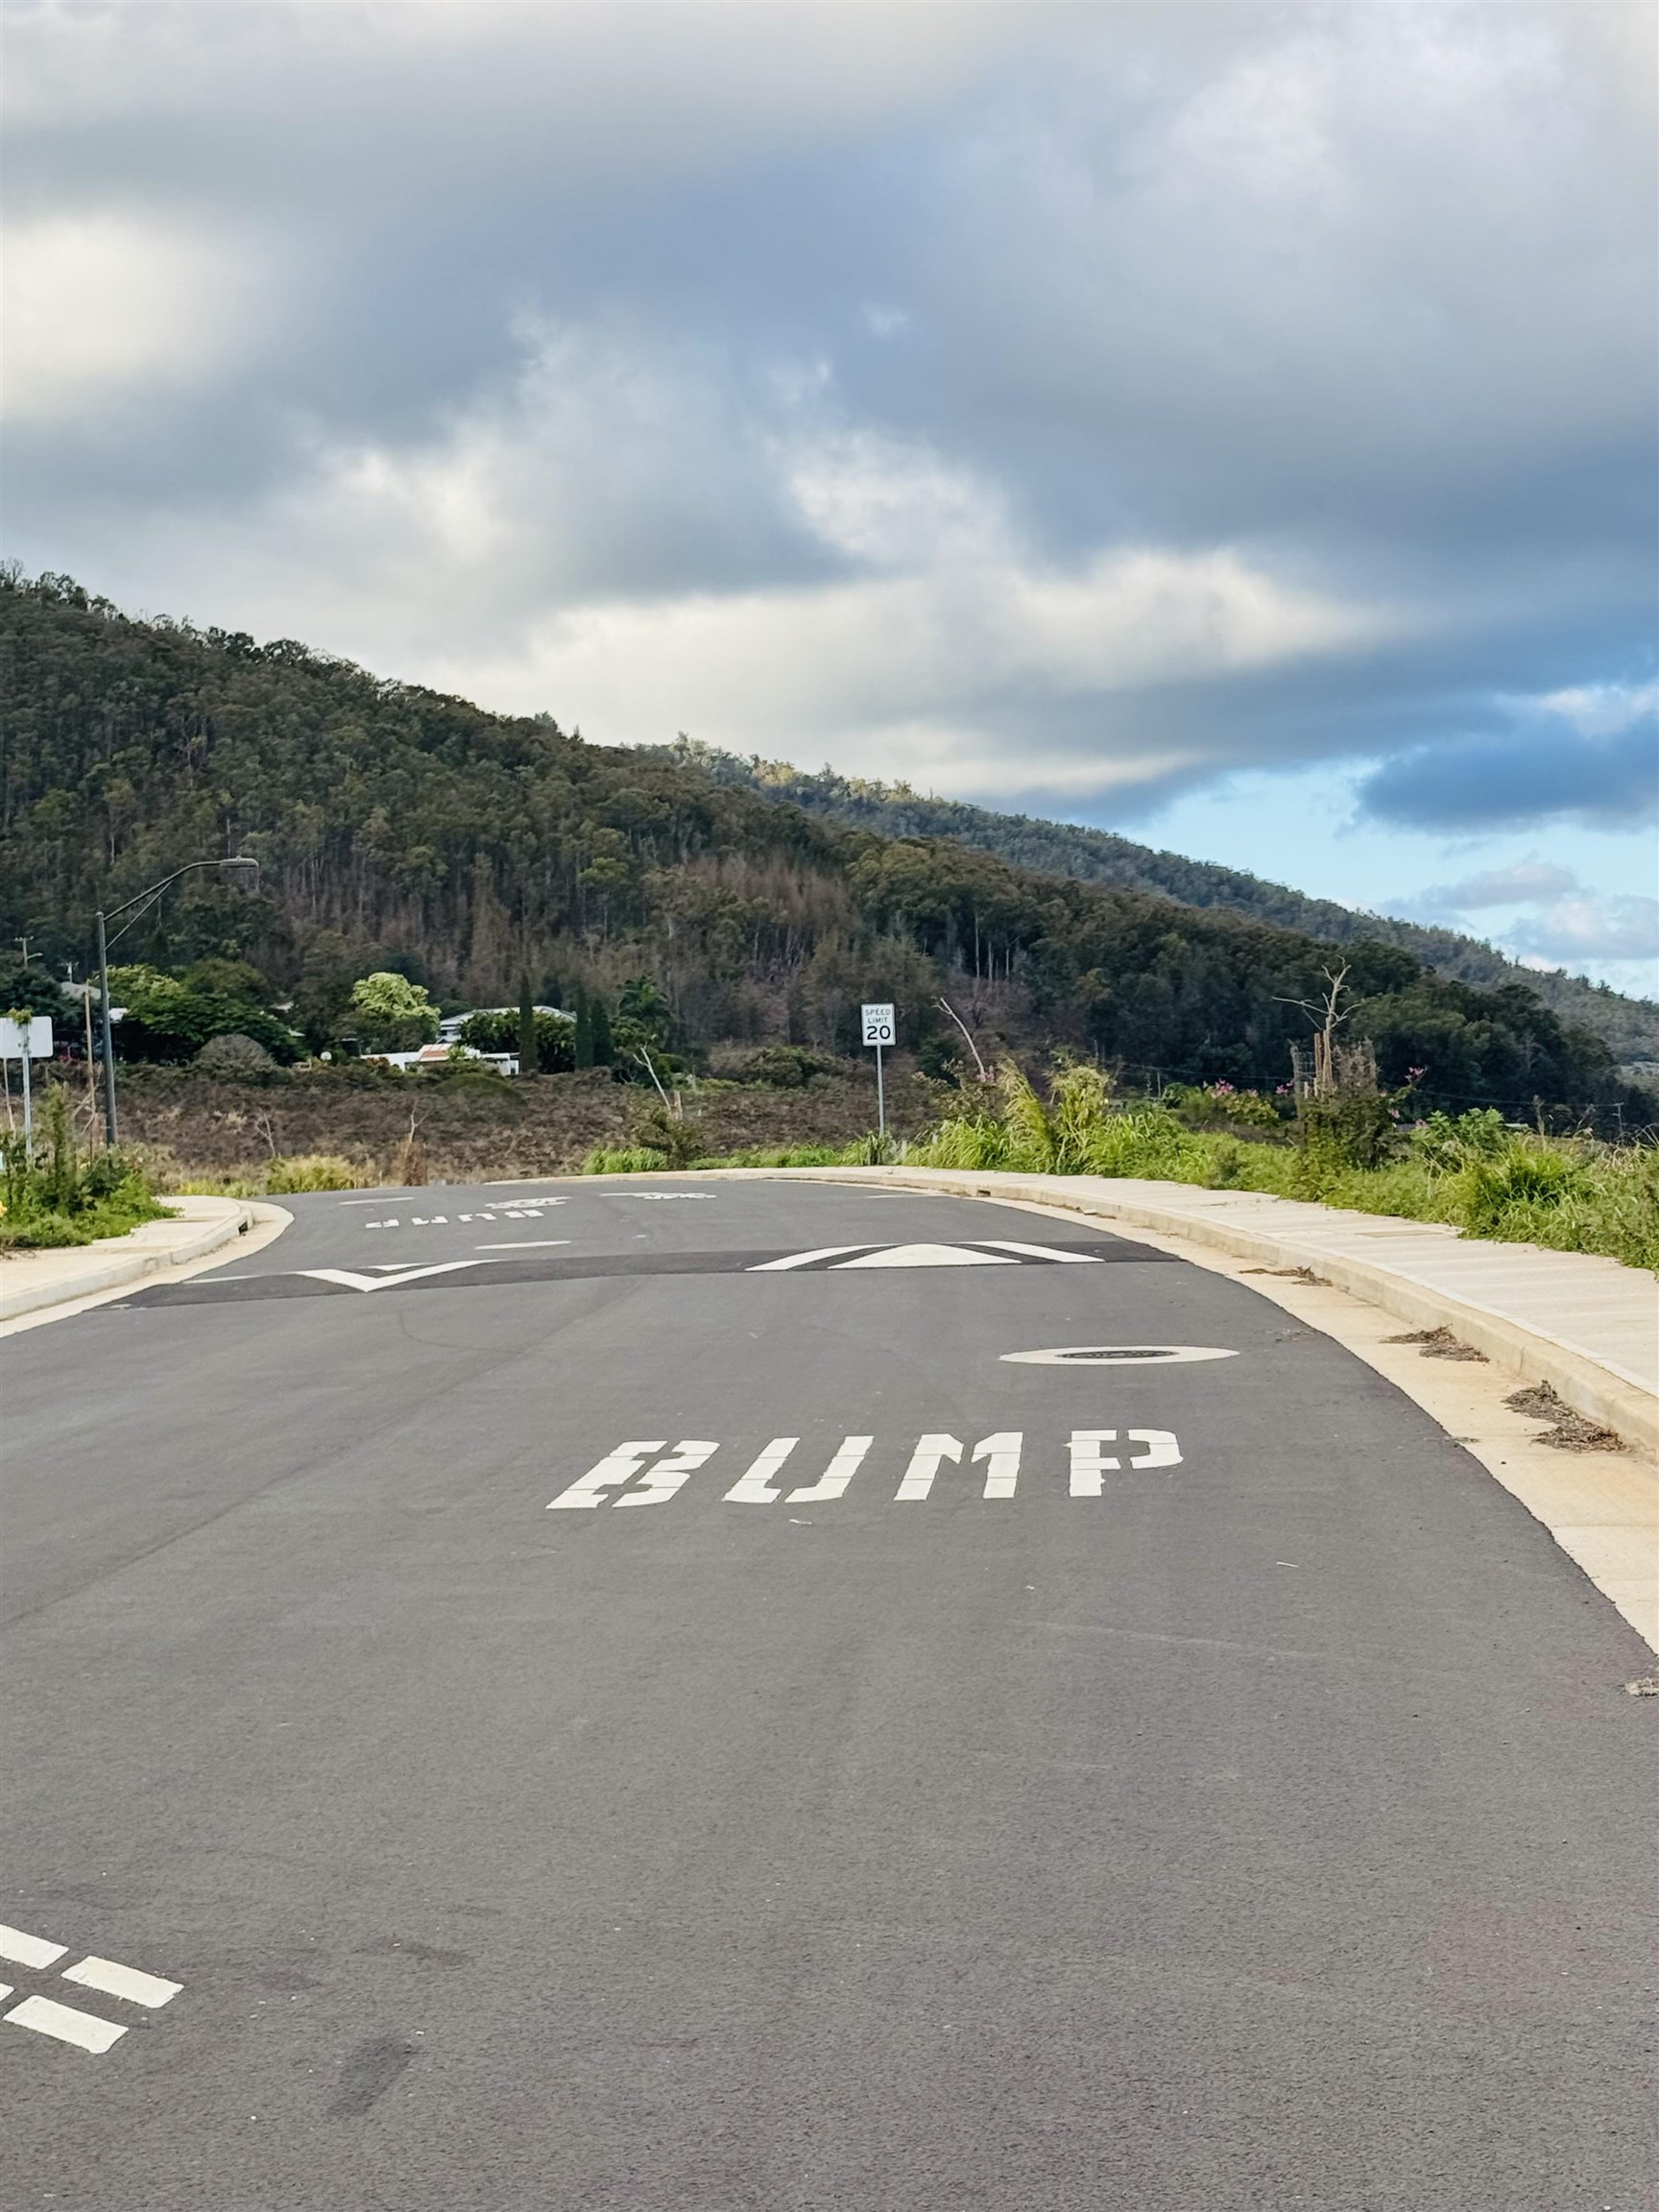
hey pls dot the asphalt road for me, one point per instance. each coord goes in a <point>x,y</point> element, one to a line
<point>1240,1808</point>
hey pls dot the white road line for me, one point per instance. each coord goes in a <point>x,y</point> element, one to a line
<point>1041,1252</point>
<point>524,1244</point>
<point>49,2018</point>
<point>355,1282</point>
<point>926,1461</point>
<point>803,1259</point>
<point>929,1256</point>
<point>617,1466</point>
<point>753,1489</point>
<point>29,1950</point>
<point>117,1980</point>
<point>5,1992</point>
<point>833,1480</point>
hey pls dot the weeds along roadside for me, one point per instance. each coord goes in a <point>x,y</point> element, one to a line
<point>1472,1171</point>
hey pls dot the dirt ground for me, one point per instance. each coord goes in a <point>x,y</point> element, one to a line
<point>201,1126</point>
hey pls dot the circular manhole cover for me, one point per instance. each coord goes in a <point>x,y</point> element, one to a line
<point>1117,1355</point>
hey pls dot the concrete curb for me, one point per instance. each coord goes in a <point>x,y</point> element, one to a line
<point>203,1226</point>
<point>1605,1390</point>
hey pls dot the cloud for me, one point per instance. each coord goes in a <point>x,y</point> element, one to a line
<point>1064,404</point>
<point>1542,767</point>
<point>1571,932</point>
<point>1522,883</point>
<point>1554,920</point>
<point>104,305</point>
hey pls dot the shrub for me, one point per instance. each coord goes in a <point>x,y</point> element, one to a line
<point>54,1193</point>
<point>786,1066</point>
<point>234,1054</point>
<point>623,1160</point>
<point>314,1171</point>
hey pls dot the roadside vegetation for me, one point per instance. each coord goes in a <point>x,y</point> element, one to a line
<point>1357,1151</point>
<point>54,1191</point>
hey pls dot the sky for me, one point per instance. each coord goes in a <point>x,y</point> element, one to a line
<point>1232,425</point>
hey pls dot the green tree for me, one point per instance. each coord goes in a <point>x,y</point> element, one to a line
<point>393,1013</point>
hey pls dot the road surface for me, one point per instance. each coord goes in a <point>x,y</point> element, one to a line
<point>626,1695</point>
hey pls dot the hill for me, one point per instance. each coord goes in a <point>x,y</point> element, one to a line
<point>397,827</point>
<point>1629,1025</point>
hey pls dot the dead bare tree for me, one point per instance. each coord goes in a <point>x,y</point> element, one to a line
<point>1334,1068</point>
<point>985,1075</point>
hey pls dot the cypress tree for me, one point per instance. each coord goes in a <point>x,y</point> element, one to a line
<point>529,1059</point>
<point>583,1041</point>
<point>604,1051</point>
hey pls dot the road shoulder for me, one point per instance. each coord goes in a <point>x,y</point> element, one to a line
<point>39,1287</point>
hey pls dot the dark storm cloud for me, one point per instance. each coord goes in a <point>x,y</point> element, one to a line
<point>1511,778</point>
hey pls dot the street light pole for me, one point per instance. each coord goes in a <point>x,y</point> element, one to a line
<point>143,901</point>
<point>109,1039</point>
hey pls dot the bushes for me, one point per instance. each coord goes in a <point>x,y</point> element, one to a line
<point>314,1171</point>
<point>53,1194</point>
<point>1472,1171</point>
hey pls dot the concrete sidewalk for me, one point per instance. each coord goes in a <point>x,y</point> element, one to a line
<point>31,1282</point>
<point>1588,1327</point>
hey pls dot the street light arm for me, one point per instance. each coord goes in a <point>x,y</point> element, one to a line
<point>141,899</point>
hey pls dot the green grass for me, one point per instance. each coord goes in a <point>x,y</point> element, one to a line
<point>1474,1173</point>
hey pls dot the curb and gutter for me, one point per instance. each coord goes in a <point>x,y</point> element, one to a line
<point>30,1282</point>
<point>1586,1326</point>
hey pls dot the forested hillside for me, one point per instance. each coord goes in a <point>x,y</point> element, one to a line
<point>1630,1025</point>
<point>400,828</point>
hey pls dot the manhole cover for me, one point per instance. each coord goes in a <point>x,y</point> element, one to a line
<point>1117,1355</point>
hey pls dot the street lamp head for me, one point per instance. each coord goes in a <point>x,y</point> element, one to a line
<point>244,861</point>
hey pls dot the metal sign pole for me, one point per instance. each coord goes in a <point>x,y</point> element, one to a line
<point>28,1107</point>
<point>880,1029</point>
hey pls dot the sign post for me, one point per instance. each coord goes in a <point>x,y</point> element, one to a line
<point>26,1040</point>
<point>878,1032</point>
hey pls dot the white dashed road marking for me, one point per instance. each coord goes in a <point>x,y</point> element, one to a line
<point>49,2018</point>
<point>29,1950</point>
<point>117,1980</point>
<point>523,1244</point>
<point>66,2023</point>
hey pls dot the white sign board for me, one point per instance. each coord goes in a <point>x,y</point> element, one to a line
<point>877,1024</point>
<point>39,1038</point>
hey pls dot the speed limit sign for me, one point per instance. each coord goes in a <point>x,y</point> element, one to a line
<point>877,1024</point>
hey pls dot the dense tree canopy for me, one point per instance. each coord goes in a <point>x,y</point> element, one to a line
<point>402,832</point>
